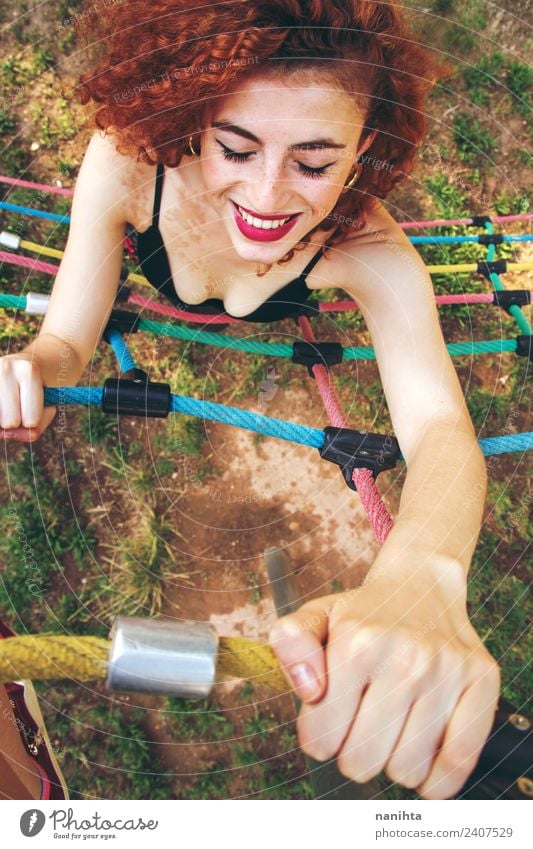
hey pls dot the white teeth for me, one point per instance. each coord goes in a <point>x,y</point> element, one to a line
<point>260,223</point>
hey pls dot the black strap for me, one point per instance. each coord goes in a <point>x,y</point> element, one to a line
<point>311,264</point>
<point>158,191</point>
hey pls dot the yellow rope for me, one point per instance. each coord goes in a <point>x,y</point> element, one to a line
<point>432,269</point>
<point>46,657</point>
<point>49,656</point>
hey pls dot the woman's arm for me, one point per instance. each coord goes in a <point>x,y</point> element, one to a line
<point>81,299</point>
<point>391,674</point>
<point>443,496</point>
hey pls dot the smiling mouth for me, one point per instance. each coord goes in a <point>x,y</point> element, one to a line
<point>267,223</point>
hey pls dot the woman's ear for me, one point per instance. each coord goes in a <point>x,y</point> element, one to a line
<point>367,142</point>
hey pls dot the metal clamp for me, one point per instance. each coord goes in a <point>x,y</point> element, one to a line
<point>10,240</point>
<point>168,656</point>
<point>37,303</point>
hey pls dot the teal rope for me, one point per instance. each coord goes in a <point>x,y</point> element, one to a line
<point>290,431</point>
<point>503,444</point>
<point>514,309</point>
<point>124,358</point>
<point>253,346</point>
<point>16,301</point>
<point>275,349</point>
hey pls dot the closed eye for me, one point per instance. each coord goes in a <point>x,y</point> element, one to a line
<point>233,156</point>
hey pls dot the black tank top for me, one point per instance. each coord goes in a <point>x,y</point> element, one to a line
<point>153,259</point>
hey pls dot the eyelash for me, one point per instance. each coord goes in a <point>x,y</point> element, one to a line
<point>232,156</point>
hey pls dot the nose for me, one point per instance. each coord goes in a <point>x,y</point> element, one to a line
<point>270,190</point>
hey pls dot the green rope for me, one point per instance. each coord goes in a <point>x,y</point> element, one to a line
<point>16,301</point>
<point>274,349</point>
<point>514,310</point>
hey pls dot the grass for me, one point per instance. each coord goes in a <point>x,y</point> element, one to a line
<point>519,80</point>
<point>472,140</point>
<point>141,565</point>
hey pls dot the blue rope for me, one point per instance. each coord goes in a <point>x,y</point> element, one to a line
<point>125,359</point>
<point>290,431</point>
<point>302,434</point>
<point>416,240</point>
<point>36,213</point>
<point>502,444</point>
<point>448,240</point>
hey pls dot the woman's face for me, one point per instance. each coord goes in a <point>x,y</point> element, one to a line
<point>282,150</point>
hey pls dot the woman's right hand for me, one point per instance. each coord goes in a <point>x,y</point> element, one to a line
<point>23,416</point>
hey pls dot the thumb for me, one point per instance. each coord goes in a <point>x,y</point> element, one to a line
<point>297,640</point>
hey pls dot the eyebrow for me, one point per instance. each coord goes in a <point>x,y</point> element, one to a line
<point>246,134</point>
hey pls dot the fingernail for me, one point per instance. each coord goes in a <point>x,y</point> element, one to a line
<point>304,680</point>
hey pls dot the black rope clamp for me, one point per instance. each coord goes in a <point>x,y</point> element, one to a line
<point>124,321</point>
<point>123,294</point>
<point>316,353</point>
<point>524,346</point>
<point>132,394</point>
<point>512,297</point>
<point>358,449</point>
<point>480,220</point>
<point>497,266</point>
<point>491,238</point>
<point>308,309</point>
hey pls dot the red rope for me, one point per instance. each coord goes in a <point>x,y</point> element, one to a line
<point>373,505</point>
<point>28,262</point>
<point>164,309</point>
<point>27,184</point>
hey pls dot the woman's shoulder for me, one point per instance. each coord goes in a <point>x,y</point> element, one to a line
<point>127,182</point>
<point>368,260</point>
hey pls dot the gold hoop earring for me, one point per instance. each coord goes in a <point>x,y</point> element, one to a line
<point>353,181</point>
<point>191,148</point>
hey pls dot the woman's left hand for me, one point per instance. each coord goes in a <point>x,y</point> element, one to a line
<point>392,677</point>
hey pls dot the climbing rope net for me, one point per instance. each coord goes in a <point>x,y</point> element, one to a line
<point>360,455</point>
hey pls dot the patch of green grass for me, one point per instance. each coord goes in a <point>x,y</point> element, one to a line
<point>472,140</point>
<point>141,565</point>
<point>519,79</point>
<point>253,584</point>
<point>499,608</point>
<point>42,60</point>
<point>104,752</point>
<point>511,203</point>
<point>7,123</point>
<point>481,78</point>
<point>449,200</point>
<point>199,720</point>
<point>36,529</point>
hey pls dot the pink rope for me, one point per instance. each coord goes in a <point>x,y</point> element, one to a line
<point>28,262</point>
<point>371,500</point>
<point>164,309</point>
<point>440,222</point>
<point>474,298</point>
<point>27,184</point>
<point>440,300</point>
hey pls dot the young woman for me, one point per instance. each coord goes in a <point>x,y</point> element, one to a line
<point>214,124</point>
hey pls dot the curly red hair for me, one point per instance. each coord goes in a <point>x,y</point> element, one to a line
<point>161,66</point>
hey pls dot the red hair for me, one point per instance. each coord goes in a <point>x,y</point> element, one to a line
<point>160,66</point>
